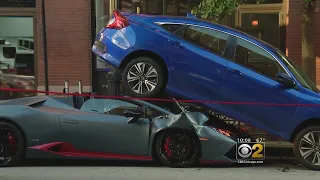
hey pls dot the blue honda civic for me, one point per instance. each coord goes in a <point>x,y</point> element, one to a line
<point>194,59</point>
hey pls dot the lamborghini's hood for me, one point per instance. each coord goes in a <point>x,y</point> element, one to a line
<point>186,118</point>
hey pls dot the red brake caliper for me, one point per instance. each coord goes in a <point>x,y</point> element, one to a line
<point>12,142</point>
<point>167,147</point>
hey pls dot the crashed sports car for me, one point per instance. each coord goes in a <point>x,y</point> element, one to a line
<point>74,127</point>
<point>224,69</point>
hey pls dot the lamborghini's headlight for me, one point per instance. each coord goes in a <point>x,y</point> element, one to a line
<point>222,131</point>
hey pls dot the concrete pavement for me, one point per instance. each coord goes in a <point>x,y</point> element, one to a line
<point>98,170</point>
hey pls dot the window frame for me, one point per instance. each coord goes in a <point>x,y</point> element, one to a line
<point>231,44</point>
<point>162,26</point>
<point>143,107</point>
<point>235,44</point>
<point>183,28</point>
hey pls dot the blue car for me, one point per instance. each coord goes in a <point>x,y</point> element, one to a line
<point>194,59</point>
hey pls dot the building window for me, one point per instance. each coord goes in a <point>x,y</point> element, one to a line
<point>17,45</point>
<point>101,19</point>
<point>265,2</point>
<point>159,7</point>
<point>17,3</point>
<point>17,58</point>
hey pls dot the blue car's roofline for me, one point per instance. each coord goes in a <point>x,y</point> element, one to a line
<point>201,22</point>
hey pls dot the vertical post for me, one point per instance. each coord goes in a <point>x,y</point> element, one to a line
<point>80,86</point>
<point>66,86</point>
<point>113,81</point>
<point>45,56</point>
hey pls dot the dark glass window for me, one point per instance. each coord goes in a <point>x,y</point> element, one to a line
<point>257,59</point>
<point>208,39</point>
<point>31,45</point>
<point>171,27</point>
<point>265,2</point>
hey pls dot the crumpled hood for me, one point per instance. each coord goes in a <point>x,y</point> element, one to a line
<point>185,119</point>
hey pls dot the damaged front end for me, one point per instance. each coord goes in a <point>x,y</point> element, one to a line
<point>218,140</point>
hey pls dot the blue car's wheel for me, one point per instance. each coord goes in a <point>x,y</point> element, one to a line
<point>12,145</point>
<point>143,77</point>
<point>307,147</point>
<point>177,148</point>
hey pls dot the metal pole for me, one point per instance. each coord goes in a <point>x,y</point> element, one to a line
<point>66,86</point>
<point>45,55</point>
<point>80,86</point>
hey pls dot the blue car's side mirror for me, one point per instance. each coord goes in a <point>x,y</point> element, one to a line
<point>285,80</point>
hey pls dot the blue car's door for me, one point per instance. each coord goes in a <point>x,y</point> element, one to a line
<point>102,127</point>
<point>251,77</point>
<point>197,60</point>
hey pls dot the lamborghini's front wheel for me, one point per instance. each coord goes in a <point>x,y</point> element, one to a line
<point>177,148</point>
<point>12,144</point>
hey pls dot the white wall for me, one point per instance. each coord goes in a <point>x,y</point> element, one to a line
<point>16,27</point>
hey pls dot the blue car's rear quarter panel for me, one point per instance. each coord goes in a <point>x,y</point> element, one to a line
<point>138,36</point>
<point>114,42</point>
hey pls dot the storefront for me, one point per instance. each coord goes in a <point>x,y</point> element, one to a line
<point>73,25</point>
<point>17,37</point>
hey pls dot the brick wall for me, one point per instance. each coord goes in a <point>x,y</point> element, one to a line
<point>293,41</point>
<point>318,42</point>
<point>68,42</point>
<point>293,36</point>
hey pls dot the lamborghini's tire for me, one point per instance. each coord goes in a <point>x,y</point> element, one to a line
<point>306,147</point>
<point>188,146</point>
<point>9,130</point>
<point>143,77</point>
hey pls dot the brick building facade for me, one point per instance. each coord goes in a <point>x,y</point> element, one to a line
<point>69,43</point>
<point>71,29</point>
<point>293,34</point>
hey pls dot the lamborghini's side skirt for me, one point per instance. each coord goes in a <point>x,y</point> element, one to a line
<point>67,150</point>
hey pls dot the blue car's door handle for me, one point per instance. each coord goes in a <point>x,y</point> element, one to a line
<point>175,43</point>
<point>235,72</point>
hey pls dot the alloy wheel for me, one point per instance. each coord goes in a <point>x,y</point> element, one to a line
<point>309,148</point>
<point>178,148</point>
<point>8,145</point>
<point>142,78</point>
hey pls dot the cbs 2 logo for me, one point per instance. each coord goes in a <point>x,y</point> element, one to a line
<point>253,150</point>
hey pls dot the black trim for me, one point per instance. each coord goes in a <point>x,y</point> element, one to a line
<point>94,77</point>
<point>229,52</point>
<point>45,53</point>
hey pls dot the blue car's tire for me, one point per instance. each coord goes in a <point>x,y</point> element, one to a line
<point>12,145</point>
<point>177,149</point>
<point>307,147</point>
<point>143,77</point>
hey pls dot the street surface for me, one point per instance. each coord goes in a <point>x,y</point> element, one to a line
<point>93,170</point>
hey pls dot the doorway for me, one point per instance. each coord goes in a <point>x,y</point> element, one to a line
<point>264,26</point>
<point>266,22</point>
